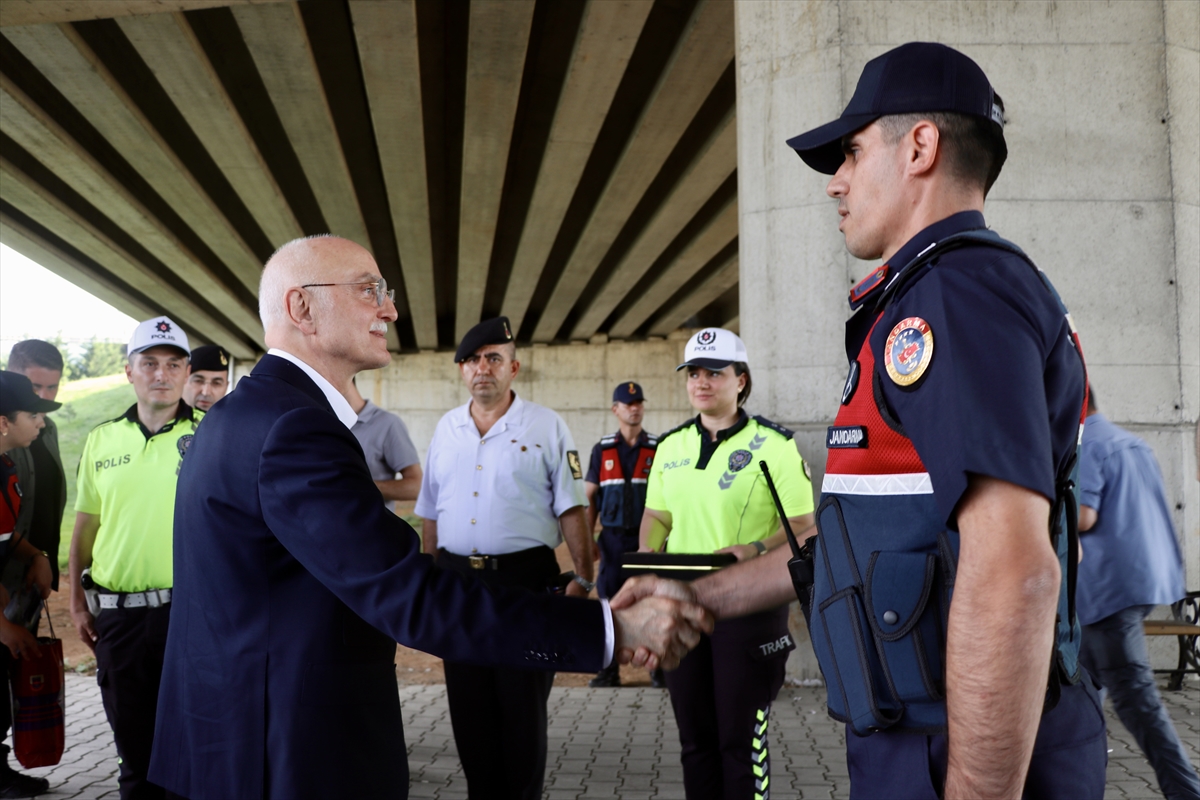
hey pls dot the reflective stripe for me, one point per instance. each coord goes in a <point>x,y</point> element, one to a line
<point>615,482</point>
<point>4,537</point>
<point>903,483</point>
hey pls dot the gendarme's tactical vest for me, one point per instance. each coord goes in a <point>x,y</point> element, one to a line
<point>884,561</point>
<point>614,490</point>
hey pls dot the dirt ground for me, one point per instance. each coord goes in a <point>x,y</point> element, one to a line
<point>412,666</point>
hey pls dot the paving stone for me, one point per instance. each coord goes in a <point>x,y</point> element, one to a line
<point>615,743</point>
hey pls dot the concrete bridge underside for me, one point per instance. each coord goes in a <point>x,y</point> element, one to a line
<point>568,163</point>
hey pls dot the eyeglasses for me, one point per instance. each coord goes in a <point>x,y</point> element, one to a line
<point>378,288</point>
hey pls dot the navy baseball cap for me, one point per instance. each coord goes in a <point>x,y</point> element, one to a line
<point>918,77</point>
<point>628,392</point>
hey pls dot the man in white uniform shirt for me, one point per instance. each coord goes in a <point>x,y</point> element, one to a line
<point>503,485</point>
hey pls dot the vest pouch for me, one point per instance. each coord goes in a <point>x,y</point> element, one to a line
<point>612,506</point>
<point>906,625</point>
<point>842,635</point>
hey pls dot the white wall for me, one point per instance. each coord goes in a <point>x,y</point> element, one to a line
<point>575,380</point>
<point>1101,188</point>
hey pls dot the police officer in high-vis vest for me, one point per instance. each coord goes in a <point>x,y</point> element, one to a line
<point>616,491</point>
<point>942,575</point>
<point>707,494</point>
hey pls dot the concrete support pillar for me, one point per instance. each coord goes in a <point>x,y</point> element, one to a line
<point>1101,188</point>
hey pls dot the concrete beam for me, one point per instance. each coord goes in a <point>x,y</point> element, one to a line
<point>276,38</point>
<point>724,280</point>
<point>39,12</point>
<point>32,199</point>
<point>711,168</point>
<point>702,55</point>
<point>33,130</point>
<point>65,60</point>
<point>387,46</point>
<point>169,47</point>
<point>608,34</point>
<point>717,234</point>
<point>497,41</point>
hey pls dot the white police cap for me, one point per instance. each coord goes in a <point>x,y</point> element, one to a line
<point>713,348</point>
<point>158,332</point>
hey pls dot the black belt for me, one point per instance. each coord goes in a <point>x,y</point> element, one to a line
<point>519,560</point>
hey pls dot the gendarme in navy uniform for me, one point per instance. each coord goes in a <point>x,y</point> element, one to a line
<point>615,483</point>
<point>942,608</point>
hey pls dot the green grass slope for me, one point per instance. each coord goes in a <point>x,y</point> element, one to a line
<point>86,403</point>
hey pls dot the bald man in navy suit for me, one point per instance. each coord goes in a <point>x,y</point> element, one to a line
<point>293,582</point>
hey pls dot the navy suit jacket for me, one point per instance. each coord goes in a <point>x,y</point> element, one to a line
<point>292,584</point>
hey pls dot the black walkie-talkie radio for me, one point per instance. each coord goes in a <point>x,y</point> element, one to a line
<point>800,566</point>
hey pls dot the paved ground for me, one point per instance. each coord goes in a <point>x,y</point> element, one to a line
<point>603,743</point>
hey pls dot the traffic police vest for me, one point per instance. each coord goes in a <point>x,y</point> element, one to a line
<point>884,561</point>
<point>617,493</point>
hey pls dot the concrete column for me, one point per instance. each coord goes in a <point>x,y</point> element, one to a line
<point>1101,188</point>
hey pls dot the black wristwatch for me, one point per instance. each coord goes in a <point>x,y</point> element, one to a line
<point>759,546</point>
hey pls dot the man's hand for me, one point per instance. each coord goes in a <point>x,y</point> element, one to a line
<point>85,625</point>
<point>637,589</point>
<point>18,639</point>
<point>661,628</point>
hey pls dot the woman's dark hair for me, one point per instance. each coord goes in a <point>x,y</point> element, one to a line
<point>741,368</point>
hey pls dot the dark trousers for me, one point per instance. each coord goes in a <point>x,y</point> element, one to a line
<point>614,543</point>
<point>1070,756</point>
<point>499,713</point>
<point>1114,650</point>
<point>129,663</point>
<point>722,694</point>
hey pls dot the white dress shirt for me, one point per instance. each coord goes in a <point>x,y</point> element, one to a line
<point>341,406</point>
<point>504,491</point>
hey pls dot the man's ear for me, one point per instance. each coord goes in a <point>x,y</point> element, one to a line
<point>128,371</point>
<point>922,143</point>
<point>516,367</point>
<point>299,308</point>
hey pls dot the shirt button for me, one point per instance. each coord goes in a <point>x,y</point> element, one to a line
<point>472,522</point>
<point>479,466</point>
<point>483,441</point>
<point>476,494</point>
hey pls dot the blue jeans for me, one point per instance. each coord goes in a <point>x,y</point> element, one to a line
<point>1114,651</point>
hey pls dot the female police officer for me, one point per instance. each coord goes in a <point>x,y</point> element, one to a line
<point>707,494</point>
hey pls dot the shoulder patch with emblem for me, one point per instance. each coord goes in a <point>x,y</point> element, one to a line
<point>573,463</point>
<point>908,351</point>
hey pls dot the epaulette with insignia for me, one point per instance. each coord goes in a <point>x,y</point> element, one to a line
<point>610,439</point>
<point>677,429</point>
<point>862,289</point>
<point>775,426</point>
<point>651,439</point>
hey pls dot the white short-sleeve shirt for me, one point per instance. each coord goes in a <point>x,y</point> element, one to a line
<point>502,492</point>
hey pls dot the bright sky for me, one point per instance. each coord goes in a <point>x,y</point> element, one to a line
<point>37,304</point>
